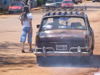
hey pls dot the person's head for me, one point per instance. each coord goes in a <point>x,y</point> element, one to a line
<point>26,10</point>
<point>55,20</point>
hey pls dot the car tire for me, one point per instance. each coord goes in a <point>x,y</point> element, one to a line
<point>76,2</point>
<point>80,1</point>
<point>10,12</point>
<point>1,9</point>
<point>92,53</point>
<point>92,48</point>
<point>41,60</point>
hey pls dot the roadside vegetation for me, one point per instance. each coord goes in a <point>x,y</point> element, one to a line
<point>3,12</point>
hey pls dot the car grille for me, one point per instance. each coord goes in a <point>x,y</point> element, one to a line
<point>58,4</point>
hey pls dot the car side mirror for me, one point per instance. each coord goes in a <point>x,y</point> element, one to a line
<point>38,26</point>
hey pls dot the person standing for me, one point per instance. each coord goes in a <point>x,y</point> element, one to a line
<point>26,22</point>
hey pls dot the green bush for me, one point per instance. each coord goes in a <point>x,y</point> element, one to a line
<point>39,2</point>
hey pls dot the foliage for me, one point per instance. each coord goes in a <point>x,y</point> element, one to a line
<point>39,2</point>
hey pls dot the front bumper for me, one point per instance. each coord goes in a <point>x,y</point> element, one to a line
<point>67,6</point>
<point>15,10</point>
<point>62,53</point>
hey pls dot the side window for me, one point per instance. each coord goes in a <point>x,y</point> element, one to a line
<point>88,23</point>
<point>90,29</point>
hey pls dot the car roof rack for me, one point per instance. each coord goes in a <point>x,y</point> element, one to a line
<point>65,13</point>
<point>76,8</point>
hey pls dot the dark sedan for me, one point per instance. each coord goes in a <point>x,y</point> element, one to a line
<point>64,34</point>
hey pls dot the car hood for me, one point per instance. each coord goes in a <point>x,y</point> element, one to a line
<point>50,3</point>
<point>67,4</point>
<point>62,35</point>
<point>15,7</point>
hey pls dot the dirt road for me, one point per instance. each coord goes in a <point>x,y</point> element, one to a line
<point>13,62</point>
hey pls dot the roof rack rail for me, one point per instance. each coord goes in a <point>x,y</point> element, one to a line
<point>76,8</point>
<point>72,13</point>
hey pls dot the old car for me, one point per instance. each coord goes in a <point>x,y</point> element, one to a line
<point>95,0</point>
<point>59,2</point>
<point>16,7</point>
<point>67,4</point>
<point>50,3</point>
<point>64,33</point>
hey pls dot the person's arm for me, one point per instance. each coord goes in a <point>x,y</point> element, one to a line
<point>21,22</point>
<point>30,22</point>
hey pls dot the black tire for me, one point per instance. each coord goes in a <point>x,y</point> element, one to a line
<point>9,12</point>
<point>80,1</point>
<point>41,60</point>
<point>92,48</point>
<point>1,9</point>
<point>76,2</point>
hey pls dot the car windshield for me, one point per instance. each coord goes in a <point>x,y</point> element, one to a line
<point>50,1</point>
<point>67,2</point>
<point>63,23</point>
<point>58,0</point>
<point>16,4</point>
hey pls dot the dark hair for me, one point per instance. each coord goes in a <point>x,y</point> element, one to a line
<point>26,10</point>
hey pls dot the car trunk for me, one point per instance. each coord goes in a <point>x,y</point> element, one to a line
<point>62,35</point>
<point>71,38</point>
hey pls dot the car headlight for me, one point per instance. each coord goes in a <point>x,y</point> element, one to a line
<point>19,8</point>
<point>62,5</point>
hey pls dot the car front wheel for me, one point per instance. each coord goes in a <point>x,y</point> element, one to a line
<point>80,1</point>
<point>76,2</point>
<point>11,12</point>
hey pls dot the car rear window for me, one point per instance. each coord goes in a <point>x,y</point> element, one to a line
<point>63,23</point>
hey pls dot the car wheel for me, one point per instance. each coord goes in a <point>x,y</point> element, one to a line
<point>92,53</point>
<point>41,60</point>
<point>9,12</point>
<point>92,48</point>
<point>80,1</point>
<point>1,9</point>
<point>76,2</point>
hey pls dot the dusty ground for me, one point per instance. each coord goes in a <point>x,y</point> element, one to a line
<point>13,62</point>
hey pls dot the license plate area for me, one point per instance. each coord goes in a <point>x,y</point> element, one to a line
<point>61,47</point>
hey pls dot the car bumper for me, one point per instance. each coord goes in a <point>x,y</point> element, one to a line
<point>20,10</point>
<point>67,6</point>
<point>62,53</point>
